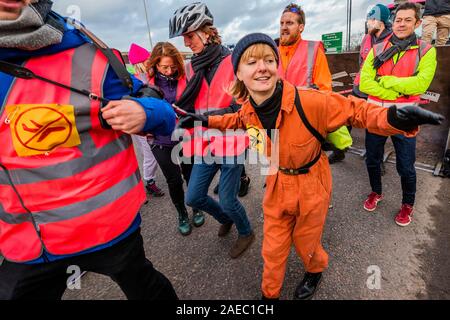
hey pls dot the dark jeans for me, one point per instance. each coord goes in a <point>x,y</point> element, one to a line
<point>405,151</point>
<point>229,209</point>
<point>124,262</point>
<point>172,172</point>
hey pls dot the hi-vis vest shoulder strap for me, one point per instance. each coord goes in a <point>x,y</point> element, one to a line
<point>403,65</point>
<point>366,46</point>
<point>80,194</point>
<point>300,70</point>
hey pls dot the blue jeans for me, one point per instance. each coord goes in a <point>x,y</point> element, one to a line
<point>229,209</point>
<point>405,152</point>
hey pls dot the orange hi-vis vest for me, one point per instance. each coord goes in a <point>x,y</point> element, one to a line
<point>406,66</point>
<point>366,46</point>
<point>300,70</point>
<point>79,183</point>
<point>212,97</point>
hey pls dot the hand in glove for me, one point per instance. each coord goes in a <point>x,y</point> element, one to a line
<point>410,117</point>
<point>231,109</point>
<point>189,120</point>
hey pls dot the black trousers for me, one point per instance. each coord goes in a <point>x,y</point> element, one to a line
<point>124,262</point>
<point>172,172</point>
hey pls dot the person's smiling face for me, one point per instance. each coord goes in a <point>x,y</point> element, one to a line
<point>258,70</point>
<point>11,9</point>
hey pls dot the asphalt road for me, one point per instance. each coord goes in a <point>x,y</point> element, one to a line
<point>410,263</point>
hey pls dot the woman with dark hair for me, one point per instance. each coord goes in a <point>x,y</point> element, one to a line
<point>165,69</point>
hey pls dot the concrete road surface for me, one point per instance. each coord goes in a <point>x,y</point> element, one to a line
<point>370,256</point>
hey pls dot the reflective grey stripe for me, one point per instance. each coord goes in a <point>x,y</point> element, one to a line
<point>416,63</point>
<point>82,62</point>
<point>78,209</point>
<point>69,168</point>
<point>13,218</point>
<point>312,54</point>
<point>81,208</point>
<point>377,48</point>
<point>188,71</point>
<point>421,52</point>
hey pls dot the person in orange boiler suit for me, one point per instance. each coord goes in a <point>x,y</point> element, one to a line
<point>298,193</point>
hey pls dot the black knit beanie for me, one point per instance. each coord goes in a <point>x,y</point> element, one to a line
<point>247,42</point>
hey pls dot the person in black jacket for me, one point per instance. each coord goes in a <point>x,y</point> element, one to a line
<point>436,17</point>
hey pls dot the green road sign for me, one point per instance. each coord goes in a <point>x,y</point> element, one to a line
<point>332,42</point>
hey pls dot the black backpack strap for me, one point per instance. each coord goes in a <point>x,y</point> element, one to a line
<point>117,65</point>
<point>307,124</point>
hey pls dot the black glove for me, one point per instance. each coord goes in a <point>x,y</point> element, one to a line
<point>188,121</point>
<point>147,91</point>
<point>220,112</point>
<point>410,117</point>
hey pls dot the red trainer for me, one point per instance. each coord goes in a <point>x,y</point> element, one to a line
<point>372,201</point>
<point>153,189</point>
<point>404,217</point>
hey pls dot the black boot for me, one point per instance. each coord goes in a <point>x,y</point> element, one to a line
<point>308,286</point>
<point>243,188</point>
<point>183,220</point>
<point>336,156</point>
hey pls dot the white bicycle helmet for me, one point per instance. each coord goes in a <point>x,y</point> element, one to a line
<point>189,18</point>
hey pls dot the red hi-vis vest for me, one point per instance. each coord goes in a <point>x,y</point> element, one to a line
<point>406,66</point>
<point>212,97</point>
<point>366,46</point>
<point>80,182</point>
<point>300,70</point>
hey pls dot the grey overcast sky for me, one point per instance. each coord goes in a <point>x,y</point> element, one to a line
<point>122,22</point>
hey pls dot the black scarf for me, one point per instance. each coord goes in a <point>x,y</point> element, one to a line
<point>398,46</point>
<point>211,56</point>
<point>384,34</point>
<point>268,111</point>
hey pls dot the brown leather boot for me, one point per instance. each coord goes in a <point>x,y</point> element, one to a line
<point>225,229</point>
<point>241,244</point>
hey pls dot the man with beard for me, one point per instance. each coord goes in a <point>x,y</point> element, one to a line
<point>397,72</point>
<point>303,62</point>
<point>70,188</point>
<point>379,28</point>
